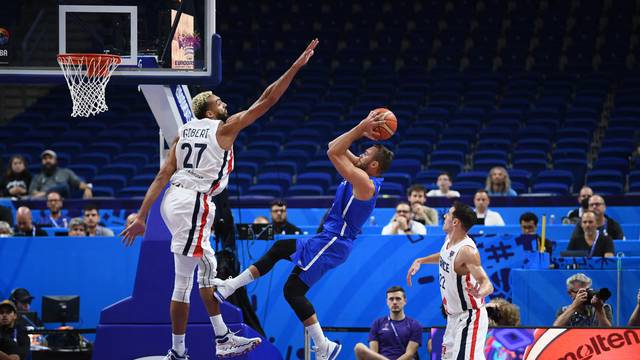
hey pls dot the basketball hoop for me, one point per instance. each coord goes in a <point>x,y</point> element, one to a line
<point>87,76</point>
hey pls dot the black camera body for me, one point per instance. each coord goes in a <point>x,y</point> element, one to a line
<point>603,294</point>
<point>494,314</point>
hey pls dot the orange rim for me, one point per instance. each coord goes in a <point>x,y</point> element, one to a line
<point>97,64</point>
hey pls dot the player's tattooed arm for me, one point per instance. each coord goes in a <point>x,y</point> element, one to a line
<point>228,131</point>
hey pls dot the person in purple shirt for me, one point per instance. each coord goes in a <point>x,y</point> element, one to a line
<point>395,336</point>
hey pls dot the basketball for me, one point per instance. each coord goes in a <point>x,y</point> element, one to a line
<point>389,128</point>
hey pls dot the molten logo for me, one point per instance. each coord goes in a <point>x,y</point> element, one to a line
<point>600,344</point>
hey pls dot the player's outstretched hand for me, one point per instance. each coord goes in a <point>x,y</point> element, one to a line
<point>412,271</point>
<point>370,123</point>
<point>306,54</point>
<point>136,228</point>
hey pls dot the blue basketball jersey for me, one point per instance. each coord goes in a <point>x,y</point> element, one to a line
<point>348,214</point>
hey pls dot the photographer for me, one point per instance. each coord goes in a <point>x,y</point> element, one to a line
<point>502,313</point>
<point>14,340</point>
<point>588,308</point>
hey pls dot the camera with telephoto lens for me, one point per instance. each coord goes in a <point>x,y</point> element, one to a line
<point>494,314</point>
<point>603,294</point>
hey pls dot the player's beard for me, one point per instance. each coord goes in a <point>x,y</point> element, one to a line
<point>361,165</point>
<point>223,115</point>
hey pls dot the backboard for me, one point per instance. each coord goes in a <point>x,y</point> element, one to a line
<point>160,41</point>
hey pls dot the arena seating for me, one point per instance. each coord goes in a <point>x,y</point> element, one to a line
<point>553,96</point>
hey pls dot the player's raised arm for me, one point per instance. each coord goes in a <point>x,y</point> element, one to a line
<point>343,160</point>
<point>471,259</point>
<point>162,178</point>
<point>228,131</point>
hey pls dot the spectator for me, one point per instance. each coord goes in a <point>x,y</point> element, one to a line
<point>279,219</point>
<point>401,342</point>
<point>24,224</point>
<point>591,239</point>
<point>499,183</point>
<point>54,218</point>
<point>261,220</point>
<point>417,196</point>
<point>502,313</point>
<point>402,222</point>
<point>634,320</point>
<point>529,226</point>
<point>56,178</point>
<point>485,216</point>
<point>605,224</point>
<point>92,221</point>
<point>15,183</point>
<point>573,217</point>
<point>77,227</point>
<point>22,299</point>
<point>131,218</point>
<point>5,229</point>
<point>583,312</point>
<point>14,341</point>
<point>444,187</point>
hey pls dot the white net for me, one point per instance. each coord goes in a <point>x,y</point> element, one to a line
<point>87,76</point>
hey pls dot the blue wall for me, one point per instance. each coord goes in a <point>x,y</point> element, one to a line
<point>99,269</point>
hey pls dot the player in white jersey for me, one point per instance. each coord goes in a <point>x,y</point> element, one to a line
<point>198,167</point>
<point>463,286</point>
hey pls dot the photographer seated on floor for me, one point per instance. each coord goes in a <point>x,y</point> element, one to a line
<point>588,308</point>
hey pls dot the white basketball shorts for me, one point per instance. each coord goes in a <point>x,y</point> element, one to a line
<point>465,335</point>
<point>189,216</point>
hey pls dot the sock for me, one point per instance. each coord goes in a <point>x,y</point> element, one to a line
<point>315,331</point>
<point>241,280</point>
<point>177,342</point>
<point>219,327</point>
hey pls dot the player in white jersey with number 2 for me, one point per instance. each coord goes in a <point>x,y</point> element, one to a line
<point>463,286</point>
<point>198,167</point>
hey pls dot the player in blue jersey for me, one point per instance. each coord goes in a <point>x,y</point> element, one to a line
<point>354,201</point>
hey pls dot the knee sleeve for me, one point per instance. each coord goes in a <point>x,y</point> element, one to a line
<point>182,288</point>
<point>294,293</point>
<point>281,249</point>
<point>183,282</point>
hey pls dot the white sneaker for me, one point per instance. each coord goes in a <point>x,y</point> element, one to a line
<point>231,345</point>
<point>173,355</point>
<point>223,290</point>
<point>327,351</point>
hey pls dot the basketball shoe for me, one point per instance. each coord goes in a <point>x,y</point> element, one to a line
<point>173,355</point>
<point>230,345</point>
<point>329,350</point>
<point>223,289</point>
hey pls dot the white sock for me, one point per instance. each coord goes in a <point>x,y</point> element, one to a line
<point>177,343</point>
<point>219,327</point>
<point>241,280</point>
<point>315,331</point>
